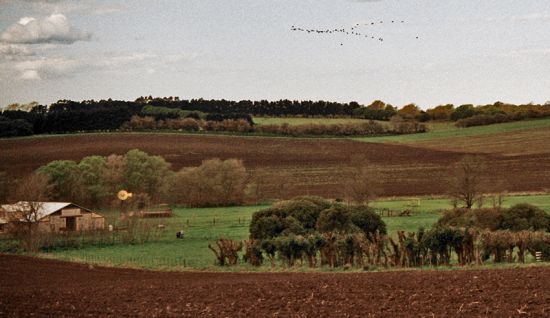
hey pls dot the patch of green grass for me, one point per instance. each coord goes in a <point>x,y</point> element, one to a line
<point>448,130</point>
<point>293,121</point>
<point>201,227</point>
<point>204,226</point>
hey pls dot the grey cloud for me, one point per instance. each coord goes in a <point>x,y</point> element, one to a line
<point>37,68</point>
<point>53,29</point>
<point>14,52</point>
<point>87,7</point>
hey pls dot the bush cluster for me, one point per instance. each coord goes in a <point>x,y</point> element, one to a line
<point>306,215</point>
<point>367,128</point>
<point>348,129</point>
<point>304,227</point>
<point>520,217</point>
<point>484,119</point>
<point>319,232</point>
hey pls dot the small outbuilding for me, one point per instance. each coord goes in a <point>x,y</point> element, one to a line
<point>53,216</point>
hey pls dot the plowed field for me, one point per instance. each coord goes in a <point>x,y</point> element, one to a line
<point>47,288</point>
<point>309,166</point>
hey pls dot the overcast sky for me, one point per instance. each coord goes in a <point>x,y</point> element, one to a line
<point>468,51</point>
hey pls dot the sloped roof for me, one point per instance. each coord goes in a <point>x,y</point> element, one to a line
<point>44,208</point>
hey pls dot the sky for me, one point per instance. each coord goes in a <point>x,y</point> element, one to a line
<point>467,51</point>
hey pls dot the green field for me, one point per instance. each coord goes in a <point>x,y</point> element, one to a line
<point>203,226</point>
<point>440,130</point>
<point>293,121</point>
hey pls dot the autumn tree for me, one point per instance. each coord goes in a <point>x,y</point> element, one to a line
<point>442,112</point>
<point>467,183</point>
<point>409,111</point>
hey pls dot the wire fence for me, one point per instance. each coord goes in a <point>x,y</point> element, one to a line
<point>175,261</point>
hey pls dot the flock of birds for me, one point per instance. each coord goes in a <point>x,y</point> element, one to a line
<point>353,31</point>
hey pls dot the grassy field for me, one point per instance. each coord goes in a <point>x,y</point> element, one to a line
<point>293,121</point>
<point>445,130</point>
<point>203,226</point>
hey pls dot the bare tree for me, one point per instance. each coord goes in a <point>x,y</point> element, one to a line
<point>30,193</point>
<point>363,185</point>
<point>467,183</point>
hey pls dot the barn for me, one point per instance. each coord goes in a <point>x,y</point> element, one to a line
<point>53,216</point>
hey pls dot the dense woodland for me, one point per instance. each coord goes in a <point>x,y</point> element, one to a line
<point>67,116</point>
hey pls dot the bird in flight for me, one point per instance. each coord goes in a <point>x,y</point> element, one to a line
<point>354,30</point>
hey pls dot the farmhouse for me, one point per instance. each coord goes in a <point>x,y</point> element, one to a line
<point>52,216</point>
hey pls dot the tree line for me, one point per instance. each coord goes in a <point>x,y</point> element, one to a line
<point>95,181</point>
<point>108,115</point>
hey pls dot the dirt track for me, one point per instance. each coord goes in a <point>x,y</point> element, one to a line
<point>309,166</point>
<point>33,287</point>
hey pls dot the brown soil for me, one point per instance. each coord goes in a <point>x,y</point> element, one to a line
<point>307,166</point>
<point>512,143</point>
<point>48,288</point>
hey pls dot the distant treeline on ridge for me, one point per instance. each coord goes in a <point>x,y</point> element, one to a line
<point>71,116</point>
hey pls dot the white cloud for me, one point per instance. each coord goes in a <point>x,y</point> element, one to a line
<point>30,75</point>
<point>53,29</point>
<point>26,20</point>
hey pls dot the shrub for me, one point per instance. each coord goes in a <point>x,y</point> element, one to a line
<point>335,219</point>
<point>439,241</point>
<point>525,217</point>
<point>305,210</point>
<point>296,216</point>
<point>463,111</point>
<point>489,219</point>
<point>291,248</point>
<point>265,227</point>
<point>366,219</point>
<point>186,124</point>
